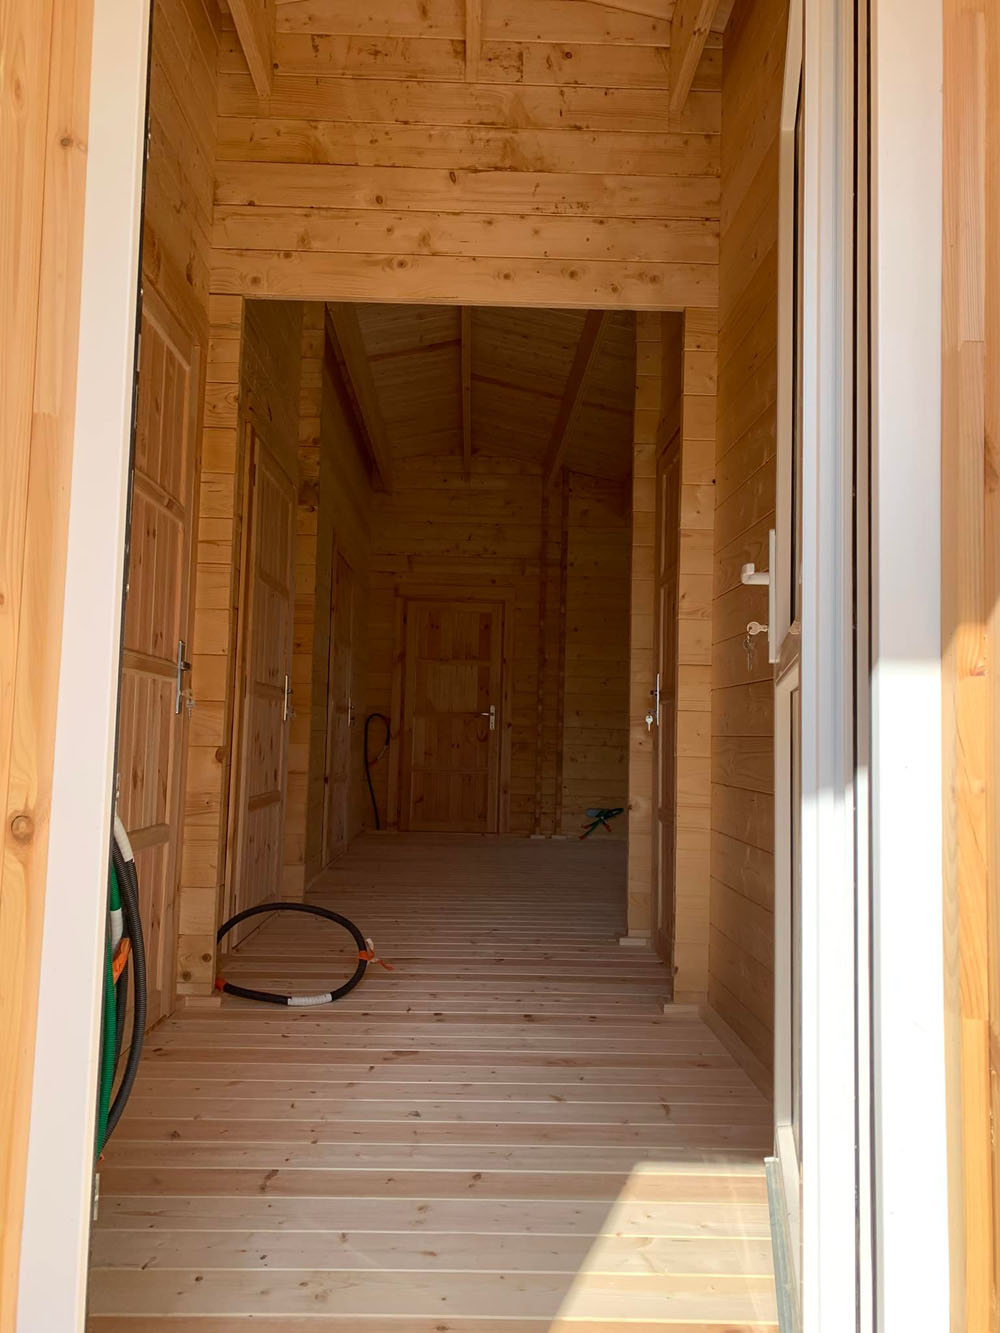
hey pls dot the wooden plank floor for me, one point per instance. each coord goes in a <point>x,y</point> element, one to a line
<point>505,1134</point>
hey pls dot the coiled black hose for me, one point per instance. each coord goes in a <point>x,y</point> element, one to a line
<point>381,717</point>
<point>128,884</point>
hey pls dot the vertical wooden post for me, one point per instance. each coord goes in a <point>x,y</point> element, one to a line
<point>213,647</point>
<point>693,796</point>
<point>970,588</point>
<point>648,388</point>
<point>308,727</point>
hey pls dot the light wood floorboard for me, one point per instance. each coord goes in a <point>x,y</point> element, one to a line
<point>504,1134</point>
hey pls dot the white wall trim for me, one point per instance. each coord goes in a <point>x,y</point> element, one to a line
<point>912,1239</point>
<point>53,1265</point>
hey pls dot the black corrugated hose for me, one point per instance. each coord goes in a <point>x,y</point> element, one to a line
<point>128,884</point>
<point>381,717</point>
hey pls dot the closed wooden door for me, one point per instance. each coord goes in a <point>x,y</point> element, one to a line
<point>153,717</point>
<point>340,712</point>
<point>265,711</point>
<point>451,716</point>
<point>668,491</point>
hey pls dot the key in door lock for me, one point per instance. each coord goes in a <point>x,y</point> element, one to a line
<point>650,719</point>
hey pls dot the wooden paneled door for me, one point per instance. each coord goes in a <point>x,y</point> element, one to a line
<point>340,711</point>
<point>266,616</point>
<point>153,712</point>
<point>665,591</point>
<point>452,716</point>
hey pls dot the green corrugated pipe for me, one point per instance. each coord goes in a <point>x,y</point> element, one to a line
<point>109,1025</point>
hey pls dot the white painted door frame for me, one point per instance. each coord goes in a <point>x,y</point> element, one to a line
<point>53,1265</point>
<point>908,1040</point>
<point>874,1216</point>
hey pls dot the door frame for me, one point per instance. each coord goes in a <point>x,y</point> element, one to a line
<point>252,440</point>
<point>52,1278</point>
<point>326,857</point>
<point>909,958</point>
<point>422,592</point>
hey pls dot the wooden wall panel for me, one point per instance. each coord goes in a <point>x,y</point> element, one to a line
<point>376,170</point>
<point>971,681</point>
<point>595,674</point>
<point>253,379</point>
<point>699,351</point>
<point>439,530</point>
<point>44,94</point>
<point>312,598</point>
<point>345,530</point>
<point>675,393</point>
<point>180,174</point>
<point>741,964</point>
<point>649,333</point>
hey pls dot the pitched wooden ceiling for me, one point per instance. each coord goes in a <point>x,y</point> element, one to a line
<point>521,362</point>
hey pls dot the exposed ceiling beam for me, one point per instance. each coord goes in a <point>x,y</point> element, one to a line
<point>349,348</point>
<point>572,400</point>
<point>254,21</point>
<point>473,38</point>
<point>689,29</point>
<point>466,314</point>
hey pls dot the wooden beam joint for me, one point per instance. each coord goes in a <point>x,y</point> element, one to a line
<point>594,327</point>
<point>689,29</point>
<point>254,20</point>
<point>347,343</point>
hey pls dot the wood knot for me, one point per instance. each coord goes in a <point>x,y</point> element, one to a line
<point>22,827</point>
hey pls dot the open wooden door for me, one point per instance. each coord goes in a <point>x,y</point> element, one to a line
<point>665,591</point>
<point>266,615</point>
<point>153,714</point>
<point>340,711</point>
<point>452,716</point>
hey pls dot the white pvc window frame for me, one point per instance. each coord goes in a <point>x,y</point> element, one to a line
<point>58,1201</point>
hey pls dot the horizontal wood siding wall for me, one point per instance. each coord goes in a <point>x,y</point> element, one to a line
<point>741,957</point>
<point>595,680</point>
<point>438,530</point>
<point>180,173</point>
<point>375,170</point>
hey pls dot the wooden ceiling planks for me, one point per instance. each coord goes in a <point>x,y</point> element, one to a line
<point>516,152</point>
<point>453,381</point>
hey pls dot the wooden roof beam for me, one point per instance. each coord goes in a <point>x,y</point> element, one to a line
<point>473,39</point>
<point>466,318</point>
<point>348,346</point>
<point>689,29</point>
<point>594,327</point>
<point>254,21</point>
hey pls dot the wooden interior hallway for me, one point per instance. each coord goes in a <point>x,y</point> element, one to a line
<point>505,1134</point>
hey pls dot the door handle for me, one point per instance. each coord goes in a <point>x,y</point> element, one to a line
<point>492,715</point>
